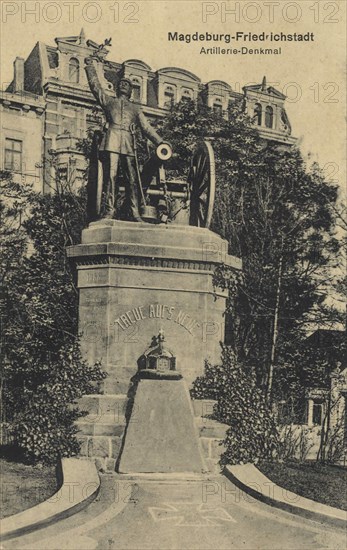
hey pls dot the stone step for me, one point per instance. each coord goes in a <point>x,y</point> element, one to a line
<point>108,417</point>
<point>99,446</point>
<point>101,430</point>
<point>110,404</point>
<point>212,447</point>
<point>101,425</point>
<point>111,417</point>
<point>211,428</point>
<point>213,465</point>
<point>203,407</point>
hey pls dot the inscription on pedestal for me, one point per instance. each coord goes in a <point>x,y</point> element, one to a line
<point>158,311</point>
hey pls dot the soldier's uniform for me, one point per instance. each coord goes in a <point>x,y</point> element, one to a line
<point>117,145</point>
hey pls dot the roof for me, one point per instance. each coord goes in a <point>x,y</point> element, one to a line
<point>220,84</point>
<point>178,72</point>
<point>138,64</point>
<point>263,88</point>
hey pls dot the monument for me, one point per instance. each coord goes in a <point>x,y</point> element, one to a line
<point>143,272</point>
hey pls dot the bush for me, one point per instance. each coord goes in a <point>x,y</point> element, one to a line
<point>296,442</point>
<point>43,373</point>
<point>42,424</point>
<point>253,433</point>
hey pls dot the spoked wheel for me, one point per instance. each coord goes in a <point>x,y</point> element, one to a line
<point>202,182</point>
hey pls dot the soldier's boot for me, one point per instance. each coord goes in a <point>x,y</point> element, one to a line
<point>134,201</point>
<point>107,211</point>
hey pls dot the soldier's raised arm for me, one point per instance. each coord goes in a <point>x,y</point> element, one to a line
<point>94,82</point>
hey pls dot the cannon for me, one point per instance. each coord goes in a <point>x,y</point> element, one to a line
<point>162,197</point>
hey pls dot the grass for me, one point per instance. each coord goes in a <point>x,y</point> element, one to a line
<point>24,486</point>
<point>320,482</point>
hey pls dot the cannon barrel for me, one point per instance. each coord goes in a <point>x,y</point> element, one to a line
<point>150,168</point>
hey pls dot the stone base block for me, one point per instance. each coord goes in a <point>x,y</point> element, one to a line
<point>213,466</point>
<point>104,450</point>
<point>135,279</point>
<point>161,436</point>
<point>106,405</point>
<point>203,407</point>
<point>211,432</point>
<point>211,428</point>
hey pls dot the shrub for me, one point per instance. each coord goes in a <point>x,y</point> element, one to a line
<point>295,442</point>
<point>43,373</point>
<point>43,414</point>
<point>253,433</point>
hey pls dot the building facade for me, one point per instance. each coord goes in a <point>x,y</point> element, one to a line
<point>48,106</point>
<point>22,129</point>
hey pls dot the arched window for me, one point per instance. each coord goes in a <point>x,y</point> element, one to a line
<point>269,117</point>
<point>74,70</point>
<point>136,93</point>
<point>169,96</point>
<point>257,114</point>
<point>186,95</point>
<point>217,106</point>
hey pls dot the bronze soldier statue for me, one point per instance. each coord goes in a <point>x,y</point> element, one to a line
<point>117,147</point>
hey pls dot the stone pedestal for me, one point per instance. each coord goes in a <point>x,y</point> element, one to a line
<point>161,435</point>
<point>136,278</point>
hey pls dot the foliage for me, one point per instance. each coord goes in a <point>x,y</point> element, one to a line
<point>289,393</point>
<point>42,418</point>
<point>225,278</point>
<point>253,434</point>
<point>333,448</point>
<point>296,442</point>
<point>43,372</point>
<point>332,441</point>
<point>16,198</point>
<point>277,215</point>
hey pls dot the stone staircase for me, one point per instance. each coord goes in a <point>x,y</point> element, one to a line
<point>211,433</point>
<point>101,430</point>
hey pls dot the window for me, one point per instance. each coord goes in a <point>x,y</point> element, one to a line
<point>169,96</point>
<point>257,114</point>
<point>317,416</point>
<point>69,121</point>
<point>186,95</point>
<point>269,115</point>
<point>13,155</point>
<point>218,107</point>
<point>74,70</point>
<point>136,93</point>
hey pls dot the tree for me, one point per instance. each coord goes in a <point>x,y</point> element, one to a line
<point>44,372</point>
<point>277,216</point>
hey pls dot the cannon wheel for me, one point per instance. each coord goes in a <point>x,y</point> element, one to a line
<point>202,181</point>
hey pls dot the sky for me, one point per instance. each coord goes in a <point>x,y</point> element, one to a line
<point>311,73</point>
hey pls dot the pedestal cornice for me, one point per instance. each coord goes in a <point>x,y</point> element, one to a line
<point>111,242</point>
